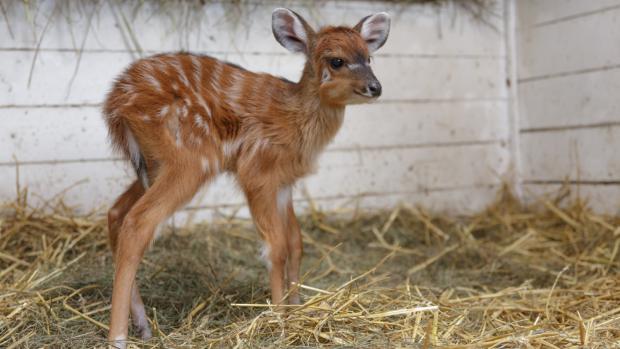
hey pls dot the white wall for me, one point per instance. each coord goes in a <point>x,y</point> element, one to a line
<point>569,88</point>
<point>438,137</point>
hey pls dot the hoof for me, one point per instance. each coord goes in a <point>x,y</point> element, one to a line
<point>294,300</point>
<point>118,343</point>
<point>144,331</point>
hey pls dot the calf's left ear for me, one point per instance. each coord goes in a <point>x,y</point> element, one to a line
<point>374,30</point>
<point>291,30</point>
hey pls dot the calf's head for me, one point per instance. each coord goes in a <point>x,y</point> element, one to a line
<point>339,57</point>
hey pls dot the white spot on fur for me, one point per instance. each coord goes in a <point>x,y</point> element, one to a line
<point>164,111</point>
<point>230,148</point>
<point>215,75</point>
<point>283,199</point>
<point>201,124</point>
<point>175,86</point>
<point>175,130</point>
<point>153,81</point>
<point>203,104</point>
<point>265,253</point>
<point>132,145</point>
<point>127,87</point>
<point>197,67</point>
<point>159,65</point>
<point>148,74</point>
<point>235,91</point>
<point>182,111</point>
<point>178,66</point>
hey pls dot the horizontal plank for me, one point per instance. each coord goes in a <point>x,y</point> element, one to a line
<point>604,124</point>
<point>449,201</point>
<point>582,52</point>
<point>562,74</point>
<point>216,26</point>
<point>365,172</point>
<point>580,154</point>
<point>408,169</point>
<point>571,100</point>
<point>603,199</point>
<point>61,134</point>
<point>86,186</point>
<point>53,80</point>
<point>378,125</point>
<point>53,134</point>
<point>441,78</point>
<point>574,182</point>
<point>536,13</point>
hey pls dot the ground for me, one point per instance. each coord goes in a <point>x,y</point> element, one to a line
<point>508,277</point>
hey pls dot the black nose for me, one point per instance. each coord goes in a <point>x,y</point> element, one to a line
<point>375,88</point>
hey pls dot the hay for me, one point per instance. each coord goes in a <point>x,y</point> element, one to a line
<point>507,277</point>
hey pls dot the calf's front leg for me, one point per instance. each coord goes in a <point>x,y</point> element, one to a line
<point>271,222</point>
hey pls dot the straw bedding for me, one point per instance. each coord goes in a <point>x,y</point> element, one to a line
<point>509,277</point>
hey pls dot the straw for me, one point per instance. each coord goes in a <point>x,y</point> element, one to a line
<point>512,276</point>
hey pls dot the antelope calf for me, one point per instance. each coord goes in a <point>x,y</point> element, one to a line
<point>182,119</point>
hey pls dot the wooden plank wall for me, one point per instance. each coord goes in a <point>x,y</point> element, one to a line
<point>569,83</point>
<point>438,137</point>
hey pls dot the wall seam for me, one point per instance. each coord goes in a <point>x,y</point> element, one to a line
<point>510,32</point>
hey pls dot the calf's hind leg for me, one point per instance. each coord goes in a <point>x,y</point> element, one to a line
<point>116,215</point>
<point>295,248</point>
<point>174,185</point>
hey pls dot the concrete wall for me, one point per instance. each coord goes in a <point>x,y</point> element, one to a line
<point>569,105</point>
<point>438,137</point>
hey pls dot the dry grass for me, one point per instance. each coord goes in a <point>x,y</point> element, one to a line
<point>508,277</point>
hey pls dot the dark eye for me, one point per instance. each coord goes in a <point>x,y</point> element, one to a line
<point>336,63</point>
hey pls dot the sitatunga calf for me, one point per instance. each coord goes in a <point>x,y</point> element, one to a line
<point>182,119</point>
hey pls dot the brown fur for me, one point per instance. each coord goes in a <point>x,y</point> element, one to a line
<point>192,117</point>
